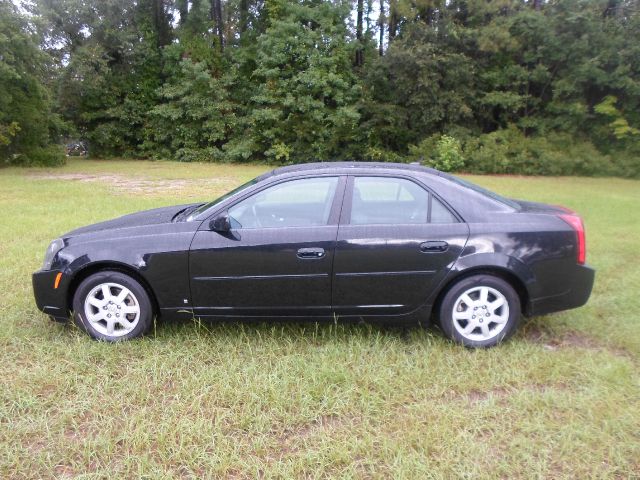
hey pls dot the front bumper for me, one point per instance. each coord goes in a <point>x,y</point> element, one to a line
<point>578,294</point>
<point>49,299</point>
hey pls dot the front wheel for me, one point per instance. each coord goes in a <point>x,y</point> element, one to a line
<point>112,306</point>
<point>480,311</point>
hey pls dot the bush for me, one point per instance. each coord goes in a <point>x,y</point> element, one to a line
<point>51,156</point>
<point>443,152</point>
<point>377,154</point>
<point>211,154</point>
<point>509,151</point>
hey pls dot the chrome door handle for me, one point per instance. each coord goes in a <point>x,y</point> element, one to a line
<point>434,246</point>
<point>311,253</point>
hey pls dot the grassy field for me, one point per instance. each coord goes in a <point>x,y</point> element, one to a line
<point>291,400</point>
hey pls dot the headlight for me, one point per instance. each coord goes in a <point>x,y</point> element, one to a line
<point>54,247</point>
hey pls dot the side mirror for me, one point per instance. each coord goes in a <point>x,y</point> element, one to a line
<point>221,223</point>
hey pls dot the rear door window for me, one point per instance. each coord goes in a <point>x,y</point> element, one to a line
<point>390,200</point>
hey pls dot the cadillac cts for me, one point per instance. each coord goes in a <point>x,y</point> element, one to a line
<point>400,243</point>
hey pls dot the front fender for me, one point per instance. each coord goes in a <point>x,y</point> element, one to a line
<point>159,256</point>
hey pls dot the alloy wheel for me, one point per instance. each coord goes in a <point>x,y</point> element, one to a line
<point>112,309</point>
<point>480,313</point>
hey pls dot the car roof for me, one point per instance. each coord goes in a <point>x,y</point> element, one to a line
<point>471,203</point>
<point>467,199</point>
<point>344,167</point>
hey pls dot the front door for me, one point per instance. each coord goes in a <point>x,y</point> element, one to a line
<point>278,256</point>
<point>396,242</point>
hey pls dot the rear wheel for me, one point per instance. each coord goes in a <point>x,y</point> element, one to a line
<point>112,306</point>
<point>480,311</point>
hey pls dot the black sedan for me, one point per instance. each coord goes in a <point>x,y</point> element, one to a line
<point>400,243</point>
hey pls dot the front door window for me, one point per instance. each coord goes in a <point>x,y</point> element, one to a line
<point>296,203</point>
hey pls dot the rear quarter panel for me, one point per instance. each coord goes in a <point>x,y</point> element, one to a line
<point>539,249</point>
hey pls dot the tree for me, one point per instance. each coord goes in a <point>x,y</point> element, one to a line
<point>303,107</point>
<point>113,69</point>
<point>26,121</point>
<point>294,80</point>
<point>193,117</point>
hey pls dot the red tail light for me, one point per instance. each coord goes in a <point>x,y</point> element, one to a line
<point>576,223</point>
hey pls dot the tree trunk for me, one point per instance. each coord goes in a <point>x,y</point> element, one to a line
<point>161,23</point>
<point>359,25</point>
<point>183,9</point>
<point>381,23</point>
<point>612,9</point>
<point>393,19</point>
<point>216,16</point>
<point>244,16</point>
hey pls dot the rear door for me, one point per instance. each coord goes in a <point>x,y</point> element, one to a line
<point>396,241</point>
<point>278,256</point>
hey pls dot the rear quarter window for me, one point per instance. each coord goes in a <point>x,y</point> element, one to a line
<point>440,213</point>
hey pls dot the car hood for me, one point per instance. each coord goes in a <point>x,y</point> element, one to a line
<point>155,216</point>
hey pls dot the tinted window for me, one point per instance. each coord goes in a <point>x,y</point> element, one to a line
<point>440,213</point>
<point>479,189</point>
<point>206,206</point>
<point>296,203</point>
<point>380,200</point>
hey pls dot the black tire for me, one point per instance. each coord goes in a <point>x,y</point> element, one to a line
<point>501,330</point>
<point>139,297</point>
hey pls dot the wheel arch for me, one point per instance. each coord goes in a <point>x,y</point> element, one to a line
<point>501,272</point>
<point>89,269</point>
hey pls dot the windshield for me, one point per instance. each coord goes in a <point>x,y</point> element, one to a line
<point>218,200</point>
<point>479,189</point>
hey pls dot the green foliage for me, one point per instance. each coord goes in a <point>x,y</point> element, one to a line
<point>7,132</point>
<point>302,107</point>
<point>439,151</point>
<point>52,156</point>
<point>191,122</point>
<point>111,80</point>
<point>26,120</point>
<point>510,86</point>
<point>509,151</point>
<point>377,154</point>
<point>619,125</point>
<point>418,88</point>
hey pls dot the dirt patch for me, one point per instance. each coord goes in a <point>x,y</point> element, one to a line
<point>64,471</point>
<point>571,339</point>
<point>36,444</point>
<point>81,430</point>
<point>325,422</point>
<point>291,440</point>
<point>576,339</point>
<point>475,396</point>
<point>131,185</point>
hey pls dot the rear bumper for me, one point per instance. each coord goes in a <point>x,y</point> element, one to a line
<point>577,294</point>
<point>51,300</point>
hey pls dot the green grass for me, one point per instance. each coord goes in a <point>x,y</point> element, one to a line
<point>559,400</point>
